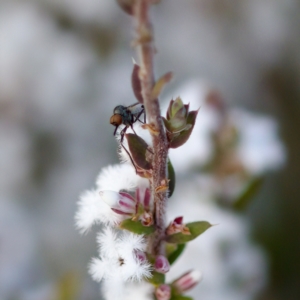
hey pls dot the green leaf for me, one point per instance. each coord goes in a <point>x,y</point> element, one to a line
<point>196,228</point>
<point>136,227</point>
<point>176,253</point>
<point>160,83</point>
<point>171,177</point>
<point>157,278</point>
<point>248,193</point>
<point>138,150</point>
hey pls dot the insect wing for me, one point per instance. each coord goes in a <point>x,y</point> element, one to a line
<point>136,108</point>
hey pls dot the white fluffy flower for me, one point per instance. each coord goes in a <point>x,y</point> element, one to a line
<point>93,210</point>
<point>119,177</point>
<point>118,263</point>
<point>140,291</point>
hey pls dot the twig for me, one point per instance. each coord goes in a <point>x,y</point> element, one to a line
<point>145,50</point>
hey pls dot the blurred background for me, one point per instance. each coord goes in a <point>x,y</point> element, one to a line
<point>64,66</point>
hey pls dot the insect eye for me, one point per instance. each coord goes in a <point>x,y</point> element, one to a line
<point>116,120</point>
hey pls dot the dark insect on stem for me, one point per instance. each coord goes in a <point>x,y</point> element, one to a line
<point>127,115</point>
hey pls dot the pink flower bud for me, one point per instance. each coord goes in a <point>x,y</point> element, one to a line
<point>162,264</point>
<point>163,292</point>
<point>177,226</point>
<point>121,203</point>
<point>187,281</point>
<point>140,255</point>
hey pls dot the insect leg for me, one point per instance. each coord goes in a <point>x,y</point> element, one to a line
<point>138,116</point>
<point>122,133</point>
<point>129,157</point>
<point>116,129</point>
<point>133,129</point>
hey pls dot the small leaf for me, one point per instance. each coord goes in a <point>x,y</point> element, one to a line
<point>136,83</point>
<point>176,253</point>
<point>184,135</point>
<point>160,83</point>
<point>167,124</point>
<point>157,278</point>
<point>196,228</point>
<point>136,227</point>
<point>138,149</point>
<point>126,5</point>
<point>169,109</point>
<point>248,193</point>
<point>171,177</point>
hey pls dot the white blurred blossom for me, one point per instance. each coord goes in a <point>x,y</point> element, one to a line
<point>119,177</point>
<point>259,146</point>
<point>93,210</point>
<point>232,266</point>
<point>118,262</point>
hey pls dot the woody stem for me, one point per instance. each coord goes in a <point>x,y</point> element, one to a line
<point>145,52</point>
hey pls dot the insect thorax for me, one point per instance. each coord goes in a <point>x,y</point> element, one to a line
<point>120,110</point>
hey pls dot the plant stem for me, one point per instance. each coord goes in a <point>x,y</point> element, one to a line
<point>145,52</point>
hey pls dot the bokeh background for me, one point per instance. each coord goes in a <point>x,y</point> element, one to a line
<point>64,66</point>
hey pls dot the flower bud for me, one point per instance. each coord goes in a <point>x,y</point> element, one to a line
<point>187,281</point>
<point>140,255</point>
<point>163,292</point>
<point>161,264</point>
<point>121,203</point>
<point>177,226</point>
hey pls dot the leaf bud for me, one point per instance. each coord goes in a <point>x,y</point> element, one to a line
<point>179,122</point>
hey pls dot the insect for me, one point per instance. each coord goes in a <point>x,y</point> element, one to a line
<point>127,115</point>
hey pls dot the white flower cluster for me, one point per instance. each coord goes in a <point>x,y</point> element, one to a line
<point>121,253</point>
